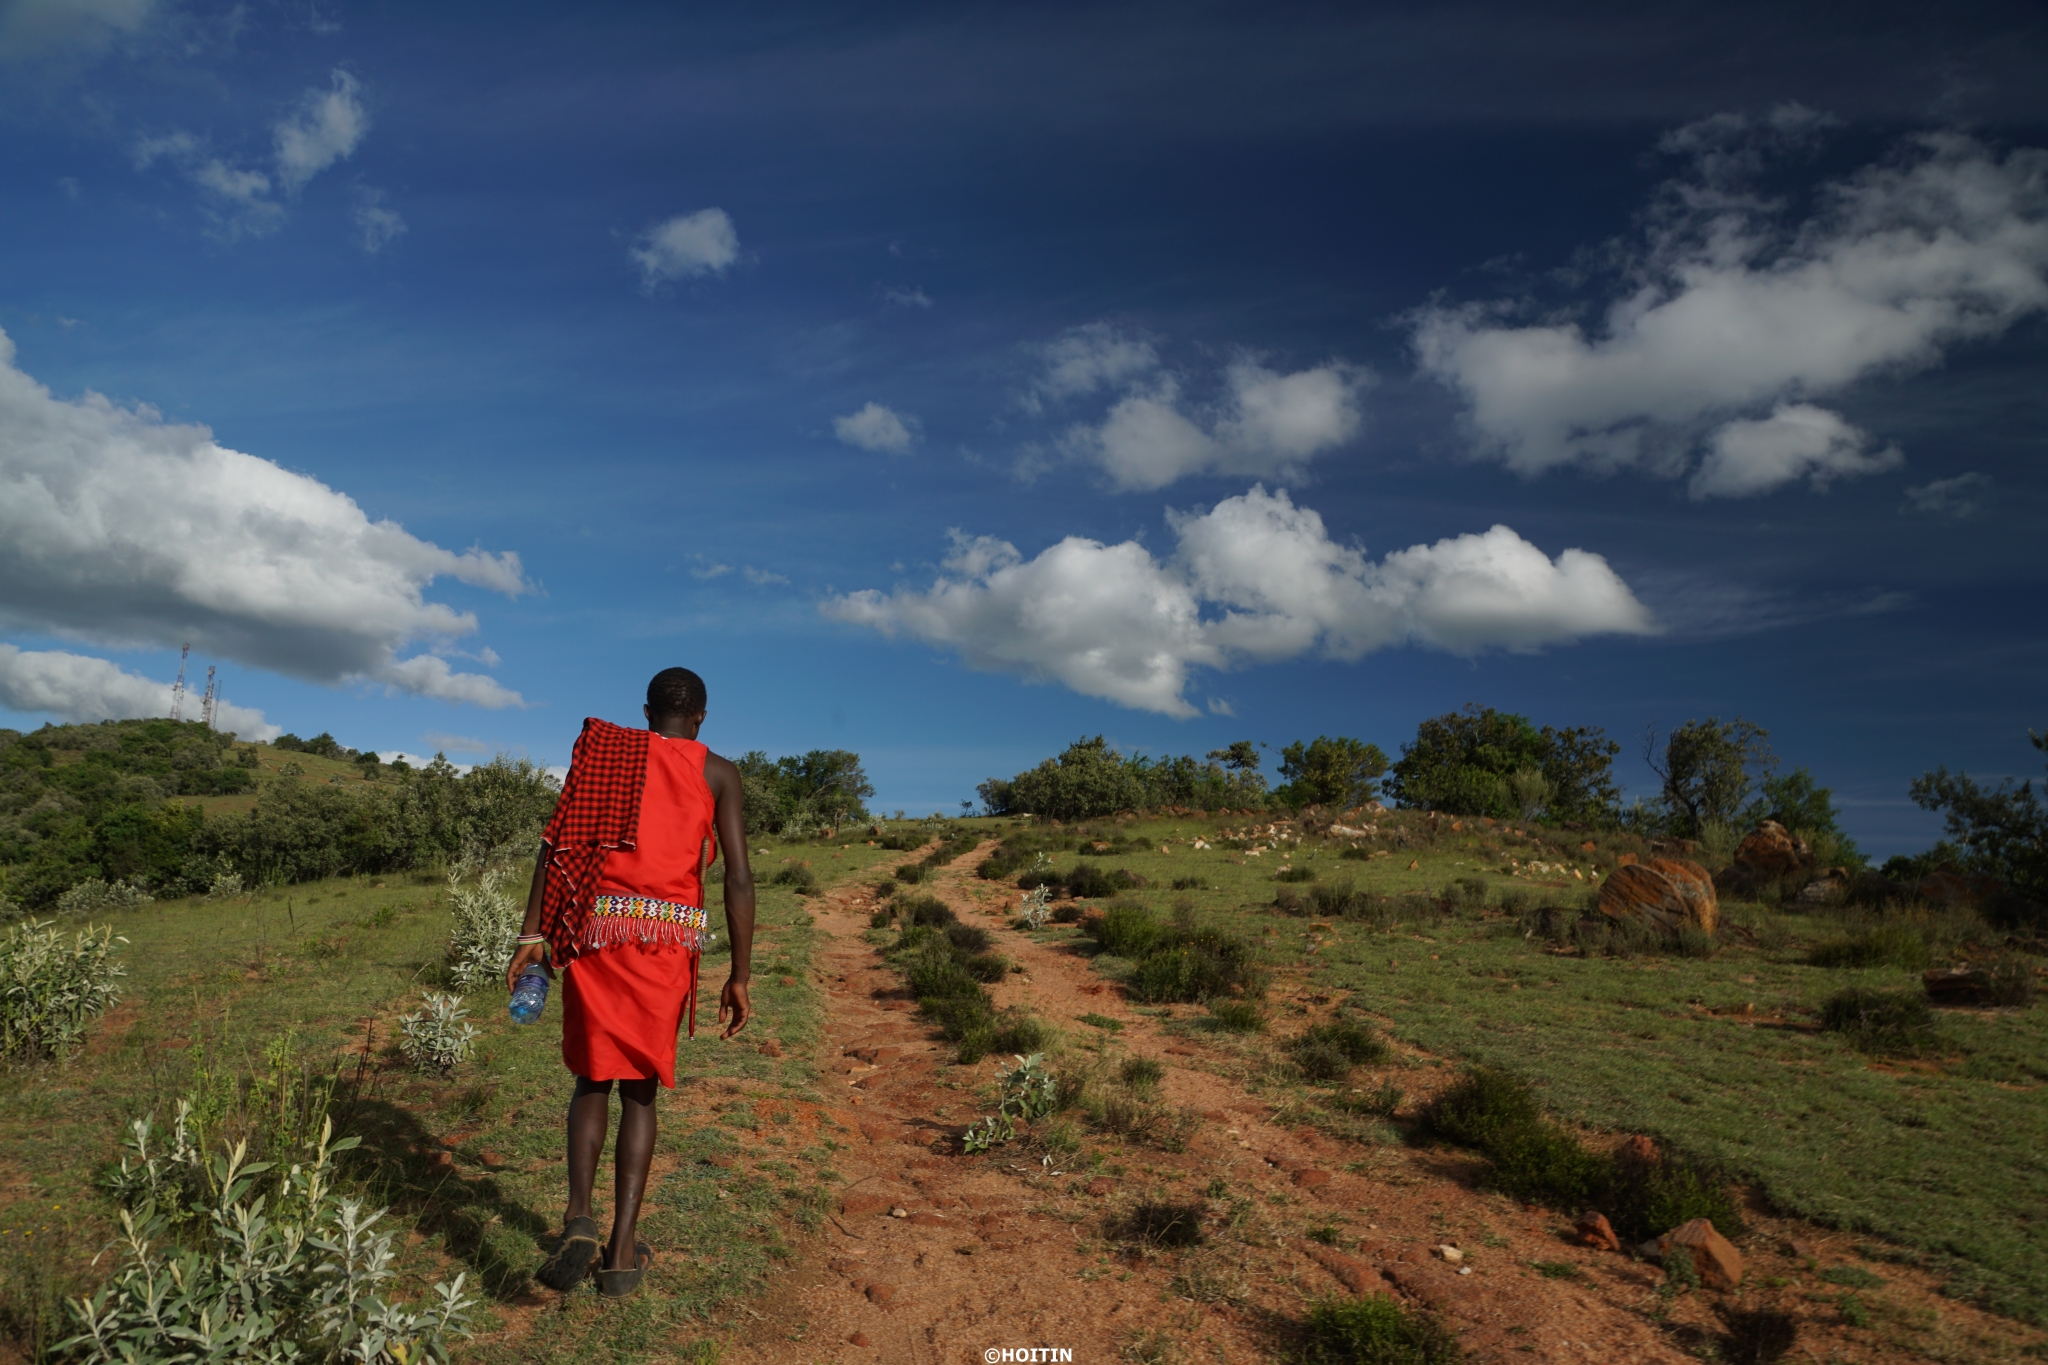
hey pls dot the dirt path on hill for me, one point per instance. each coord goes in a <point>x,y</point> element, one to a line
<point>937,1258</point>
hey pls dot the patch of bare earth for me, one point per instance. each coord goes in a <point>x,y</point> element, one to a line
<point>935,1256</point>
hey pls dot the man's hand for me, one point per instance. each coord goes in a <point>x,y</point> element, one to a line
<point>733,1001</point>
<point>526,954</point>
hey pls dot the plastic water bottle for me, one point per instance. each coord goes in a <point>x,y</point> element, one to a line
<point>529,994</point>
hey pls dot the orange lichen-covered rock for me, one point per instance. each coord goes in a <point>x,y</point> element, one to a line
<point>1665,892</point>
<point>1715,1258</point>
<point>1771,850</point>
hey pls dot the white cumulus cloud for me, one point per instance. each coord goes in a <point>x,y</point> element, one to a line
<point>77,687</point>
<point>119,527</point>
<point>1731,314</point>
<point>1798,440</point>
<point>875,427</point>
<point>1255,579</point>
<point>1087,358</point>
<point>700,243</point>
<point>327,127</point>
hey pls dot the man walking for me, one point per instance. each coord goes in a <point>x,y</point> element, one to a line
<point>618,903</point>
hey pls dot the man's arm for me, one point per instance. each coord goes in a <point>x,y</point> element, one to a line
<point>530,952</point>
<point>731,821</point>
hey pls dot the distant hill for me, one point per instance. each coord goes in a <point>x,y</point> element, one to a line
<point>171,806</point>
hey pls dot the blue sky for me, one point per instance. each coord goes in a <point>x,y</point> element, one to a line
<point>950,381</point>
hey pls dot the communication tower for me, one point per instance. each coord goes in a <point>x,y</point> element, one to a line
<point>212,696</point>
<point>178,687</point>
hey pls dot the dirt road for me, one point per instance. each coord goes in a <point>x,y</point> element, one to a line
<point>942,1257</point>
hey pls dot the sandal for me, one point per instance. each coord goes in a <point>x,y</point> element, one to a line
<point>618,1284</point>
<point>572,1257</point>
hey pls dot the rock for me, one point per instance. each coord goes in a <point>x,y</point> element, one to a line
<point>857,1339</point>
<point>881,1293</point>
<point>1826,889</point>
<point>1309,1179</point>
<point>1449,1254</point>
<point>1101,1185</point>
<point>1587,847</point>
<point>928,1220</point>
<point>1771,850</point>
<point>1664,892</point>
<point>1956,985</point>
<point>1715,1258</point>
<point>898,1211</point>
<point>1414,864</point>
<point>1595,1231</point>
<point>1640,1150</point>
<point>1625,860</point>
<point>1354,1275</point>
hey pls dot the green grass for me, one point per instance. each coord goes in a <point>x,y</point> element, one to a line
<point>210,987</point>
<point>1938,1154</point>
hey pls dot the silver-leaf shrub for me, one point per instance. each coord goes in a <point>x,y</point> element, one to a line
<point>96,897</point>
<point>53,984</point>
<point>1028,1090</point>
<point>435,1037</point>
<point>232,1260</point>
<point>487,919</point>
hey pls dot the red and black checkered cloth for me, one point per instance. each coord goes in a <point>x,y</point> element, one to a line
<point>599,810</point>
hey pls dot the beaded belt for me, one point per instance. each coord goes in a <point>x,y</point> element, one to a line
<point>644,919</point>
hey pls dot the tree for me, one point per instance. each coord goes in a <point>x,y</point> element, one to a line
<point>824,786</point>
<point>1088,778</point>
<point>1480,761</point>
<point>1708,770</point>
<point>1241,757</point>
<point>2002,830</point>
<point>1340,772</point>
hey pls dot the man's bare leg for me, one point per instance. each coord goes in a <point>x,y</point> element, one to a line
<point>588,1110</point>
<point>631,1159</point>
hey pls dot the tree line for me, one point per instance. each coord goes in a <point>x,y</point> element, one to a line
<point>1717,778</point>
<point>1475,762</point>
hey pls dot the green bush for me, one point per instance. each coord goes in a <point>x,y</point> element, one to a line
<point>1159,1223</point>
<point>1320,1062</point>
<point>1375,1330</point>
<point>926,910</point>
<point>1126,930</point>
<point>1141,1073</point>
<point>1327,1052</point>
<point>798,877</point>
<point>912,873</point>
<point>224,1259</point>
<point>52,985</point>
<point>1191,966</point>
<point>1295,874</point>
<point>1884,1022</point>
<point>968,938</point>
<point>1533,1159</point>
<point>1357,1040</point>
<point>1236,1016</point>
<point>1896,943</point>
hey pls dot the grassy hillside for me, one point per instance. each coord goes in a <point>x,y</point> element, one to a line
<point>308,981</point>
<point>1939,1154</point>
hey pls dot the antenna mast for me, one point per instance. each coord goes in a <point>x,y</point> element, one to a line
<point>178,687</point>
<point>212,696</point>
